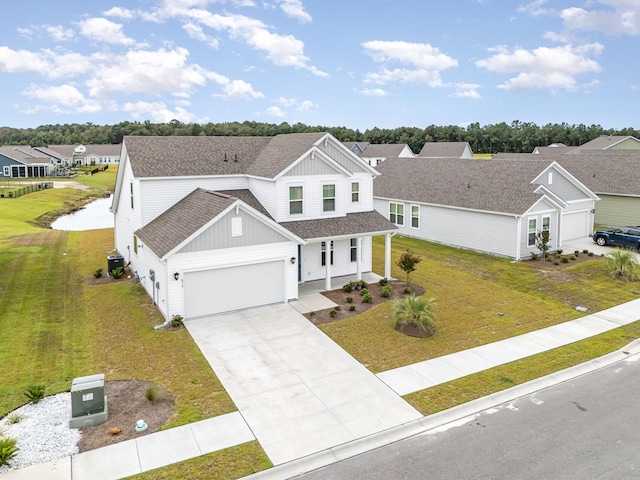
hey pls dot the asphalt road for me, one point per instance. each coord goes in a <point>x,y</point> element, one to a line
<point>588,428</point>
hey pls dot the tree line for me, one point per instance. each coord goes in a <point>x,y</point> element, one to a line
<point>516,137</point>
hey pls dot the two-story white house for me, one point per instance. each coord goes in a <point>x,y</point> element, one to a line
<point>215,224</point>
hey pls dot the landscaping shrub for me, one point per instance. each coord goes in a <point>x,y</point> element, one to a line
<point>14,417</point>
<point>98,273</point>
<point>364,291</point>
<point>385,291</point>
<point>383,281</point>
<point>349,287</point>
<point>8,450</point>
<point>117,272</point>
<point>534,256</point>
<point>576,252</point>
<point>590,254</point>
<point>367,298</point>
<point>352,308</point>
<point>585,251</point>
<point>176,321</point>
<point>406,290</point>
<point>414,311</point>
<point>573,257</point>
<point>349,299</point>
<point>559,251</point>
<point>556,262</point>
<point>337,308</point>
<point>35,393</point>
<point>564,260</point>
<point>151,393</point>
<point>333,313</point>
<point>623,263</point>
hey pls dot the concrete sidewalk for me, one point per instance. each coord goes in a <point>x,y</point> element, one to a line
<point>181,443</point>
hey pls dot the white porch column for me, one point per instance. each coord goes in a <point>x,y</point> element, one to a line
<point>387,255</point>
<point>327,279</point>
<point>358,258</point>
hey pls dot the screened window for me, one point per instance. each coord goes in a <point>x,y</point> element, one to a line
<point>355,192</point>
<point>328,198</point>
<point>295,200</point>
<point>533,226</point>
<point>396,213</point>
<point>415,216</point>
<point>323,255</point>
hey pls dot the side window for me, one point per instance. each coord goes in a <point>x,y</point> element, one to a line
<point>135,244</point>
<point>532,230</point>
<point>396,213</point>
<point>355,192</point>
<point>6,171</point>
<point>131,193</point>
<point>415,216</point>
<point>295,200</point>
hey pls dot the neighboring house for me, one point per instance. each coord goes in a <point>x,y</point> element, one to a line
<point>85,154</point>
<point>602,143</point>
<point>613,175</point>
<point>214,224</point>
<point>554,148</point>
<point>494,206</point>
<point>373,154</point>
<point>24,162</point>
<point>446,150</point>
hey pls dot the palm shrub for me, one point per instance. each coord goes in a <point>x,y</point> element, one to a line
<point>8,450</point>
<point>623,263</point>
<point>117,272</point>
<point>35,393</point>
<point>414,311</point>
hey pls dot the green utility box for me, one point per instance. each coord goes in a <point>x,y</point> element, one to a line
<point>88,401</point>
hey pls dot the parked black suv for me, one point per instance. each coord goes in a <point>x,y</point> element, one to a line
<point>627,237</point>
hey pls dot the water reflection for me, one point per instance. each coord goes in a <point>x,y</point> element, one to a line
<point>93,216</point>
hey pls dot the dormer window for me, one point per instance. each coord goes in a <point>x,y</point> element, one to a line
<point>295,200</point>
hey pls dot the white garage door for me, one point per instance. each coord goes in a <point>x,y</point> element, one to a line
<point>226,289</point>
<point>575,225</point>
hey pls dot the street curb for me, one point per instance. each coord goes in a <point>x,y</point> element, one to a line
<point>456,414</point>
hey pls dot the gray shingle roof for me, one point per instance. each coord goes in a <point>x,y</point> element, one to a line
<point>489,185</point>
<point>91,149</point>
<point>443,149</point>
<point>194,156</point>
<point>182,220</point>
<point>384,150</point>
<point>351,224</point>
<point>608,171</point>
<point>25,154</point>
<point>602,142</point>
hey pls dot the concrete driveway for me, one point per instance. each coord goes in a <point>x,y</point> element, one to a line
<point>298,391</point>
<point>587,243</point>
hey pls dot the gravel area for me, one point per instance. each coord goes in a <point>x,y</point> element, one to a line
<point>43,433</point>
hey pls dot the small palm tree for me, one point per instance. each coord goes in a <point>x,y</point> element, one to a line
<point>624,263</point>
<point>415,311</point>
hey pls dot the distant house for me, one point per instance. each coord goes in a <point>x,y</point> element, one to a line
<point>214,224</point>
<point>374,154</point>
<point>84,154</point>
<point>602,143</point>
<point>554,148</point>
<point>494,206</point>
<point>613,175</point>
<point>446,150</point>
<point>24,162</point>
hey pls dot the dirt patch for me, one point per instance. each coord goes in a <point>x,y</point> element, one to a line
<point>127,403</point>
<point>75,185</point>
<point>340,297</point>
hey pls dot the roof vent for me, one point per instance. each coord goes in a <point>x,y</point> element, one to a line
<point>225,157</point>
<point>235,158</point>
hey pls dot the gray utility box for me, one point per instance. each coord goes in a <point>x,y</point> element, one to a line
<point>88,401</point>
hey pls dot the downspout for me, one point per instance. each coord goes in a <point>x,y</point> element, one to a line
<point>518,237</point>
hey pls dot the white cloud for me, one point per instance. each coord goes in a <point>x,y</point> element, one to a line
<point>58,33</point>
<point>157,112</point>
<point>243,3</point>
<point>275,112</point>
<point>240,90</point>
<point>306,106</point>
<point>295,9</point>
<point>118,12</point>
<point>373,92</point>
<point>46,63</point>
<point>287,102</point>
<point>425,62</point>
<point>65,98</point>
<point>535,8</point>
<point>103,30</point>
<point>466,90</point>
<point>195,32</point>
<point>621,18</point>
<point>552,68</point>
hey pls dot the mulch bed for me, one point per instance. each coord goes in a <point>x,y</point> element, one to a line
<point>126,403</point>
<point>339,297</point>
<point>105,279</point>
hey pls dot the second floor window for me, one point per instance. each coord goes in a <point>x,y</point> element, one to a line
<point>131,193</point>
<point>295,200</point>
<point>355,192</point>
<point>328,198</point>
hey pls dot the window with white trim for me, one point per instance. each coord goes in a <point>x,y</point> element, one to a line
<point>546,227</point>
<point>323,254</point>
<point>131,193</point>
<point>135,244</point>
<point>415,216</point>
<point>396,213</point>
<point>328,198</point>
<point>532,230</point>
<point>354,249</point>
<point>6,171</point>
<point>355,192</point>
<point>295,200</point>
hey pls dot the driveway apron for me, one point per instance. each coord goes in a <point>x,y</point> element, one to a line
<point>298,391</point>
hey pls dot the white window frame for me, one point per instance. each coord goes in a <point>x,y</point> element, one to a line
<point>353,250</point>
<point>131,193</point>
<point>415,216</point>
<point>395,214</point>
<point>355,192</point>
<point>296,201</point>
<point>323,253</point>
<point>328,202</point>
<point>7,171</point>
<point>531,232</point>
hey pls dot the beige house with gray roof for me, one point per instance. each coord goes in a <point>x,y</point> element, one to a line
<point>215,224</point>
<point>494,206</point>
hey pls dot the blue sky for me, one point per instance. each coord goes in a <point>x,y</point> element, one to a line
<point>353,63</point>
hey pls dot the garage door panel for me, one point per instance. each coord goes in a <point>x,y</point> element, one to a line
<point>575,225</point>
<point>225,289</point>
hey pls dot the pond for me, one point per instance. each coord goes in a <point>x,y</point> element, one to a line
<point>94,215</point>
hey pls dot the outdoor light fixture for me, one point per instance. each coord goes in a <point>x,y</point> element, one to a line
<point>176,275</point>
<point>292,260</point>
